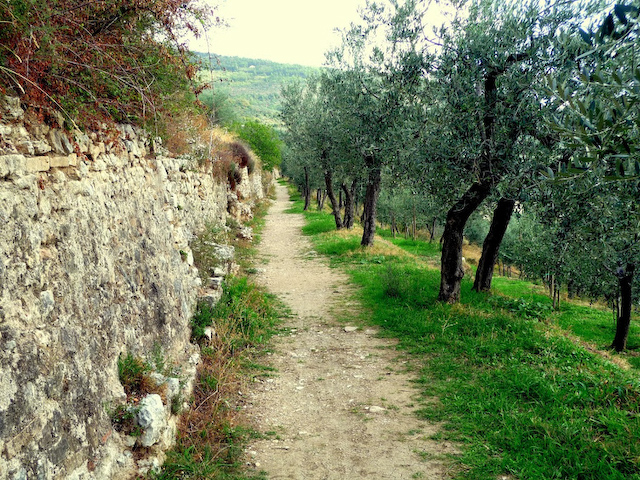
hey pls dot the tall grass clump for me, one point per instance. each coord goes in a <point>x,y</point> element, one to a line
<point>244,316</point>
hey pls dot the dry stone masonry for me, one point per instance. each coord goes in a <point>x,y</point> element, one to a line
<point>94,264</point>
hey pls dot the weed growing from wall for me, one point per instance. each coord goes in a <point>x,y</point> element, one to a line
<point>133,374</point>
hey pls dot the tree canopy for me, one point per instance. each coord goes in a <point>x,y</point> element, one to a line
<point>519,104</point>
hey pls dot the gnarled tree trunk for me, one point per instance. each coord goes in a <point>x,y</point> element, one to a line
<point>625,281</point>
<point>452,273</point>
<point>349,204</point>
<point>432,230</point>
<point>491,244</point>
<point>328,180</point>
<point>372,192</point>
<point>306,189</point>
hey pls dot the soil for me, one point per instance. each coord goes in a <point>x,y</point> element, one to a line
<point>341,401</point>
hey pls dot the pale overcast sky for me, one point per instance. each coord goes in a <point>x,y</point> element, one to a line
<point>285,31</point>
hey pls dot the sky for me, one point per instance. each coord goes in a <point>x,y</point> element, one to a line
<point>284,31</point>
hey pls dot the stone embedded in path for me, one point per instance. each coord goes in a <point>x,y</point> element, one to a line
<point>374,409</point>
<point>350,329</point>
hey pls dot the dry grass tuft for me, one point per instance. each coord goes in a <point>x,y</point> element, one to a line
<point>472,253</point>
<point>210,413</point>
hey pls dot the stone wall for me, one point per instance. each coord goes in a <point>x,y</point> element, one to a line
<point>94,264</point>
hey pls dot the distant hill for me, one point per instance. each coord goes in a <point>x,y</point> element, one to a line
<point>250,87</point>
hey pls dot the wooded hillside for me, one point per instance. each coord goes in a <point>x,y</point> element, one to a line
<point>245,88</point>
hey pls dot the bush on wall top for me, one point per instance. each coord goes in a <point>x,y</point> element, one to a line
<point>111,60</point>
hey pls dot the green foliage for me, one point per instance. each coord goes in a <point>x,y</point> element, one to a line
<point>132,372</point>
<point>191,463</point>
<point>123,419</point>
<point>219,106</point>
<point>594,324</point>
<point>597,114</point>
<point>244,316</point>
<point>263,140</point>
<point>177,403</point>
<point>523,309</point>
<point>476,229</point>
<point>419,248</point>
<point>317,222</point>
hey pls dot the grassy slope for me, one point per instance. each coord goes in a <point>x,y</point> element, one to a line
<point>518,393</point>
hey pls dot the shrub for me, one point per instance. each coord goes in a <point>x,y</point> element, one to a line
<point>115,60</point>
<point>263,140</point>
<point>240,154</point>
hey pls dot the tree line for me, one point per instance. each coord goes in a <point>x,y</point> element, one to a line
<point>524,113</point>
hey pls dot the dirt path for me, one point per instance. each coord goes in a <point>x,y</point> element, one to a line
<point>340,405</point>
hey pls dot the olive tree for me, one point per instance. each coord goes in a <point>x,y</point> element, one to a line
<point>597,115</point>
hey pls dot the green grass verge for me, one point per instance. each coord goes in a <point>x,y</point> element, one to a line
<point>514,391</point>
<point>213,434</point>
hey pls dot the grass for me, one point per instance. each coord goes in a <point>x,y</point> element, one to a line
<point>520,387</point>
<point>132,372</point>
<point>213,432</point>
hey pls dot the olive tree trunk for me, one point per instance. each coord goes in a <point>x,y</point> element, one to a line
<point>625,281</point>
<point>491,245</point>
<point>335,209</point>
<point>374,180</point>
<point>306,189</point>
<point>349,204</point>
<point>451,271</point>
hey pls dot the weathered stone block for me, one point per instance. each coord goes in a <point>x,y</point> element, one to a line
<point>41,147</point>
<point>152,418</point>
<point>60,142</point>
<point>37,164</point>
<point>58,162</point>
<point>83,141</point>
<point>63,161</point>
<point>12,165</point>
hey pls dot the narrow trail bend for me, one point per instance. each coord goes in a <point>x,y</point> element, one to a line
<point>340,404</point>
